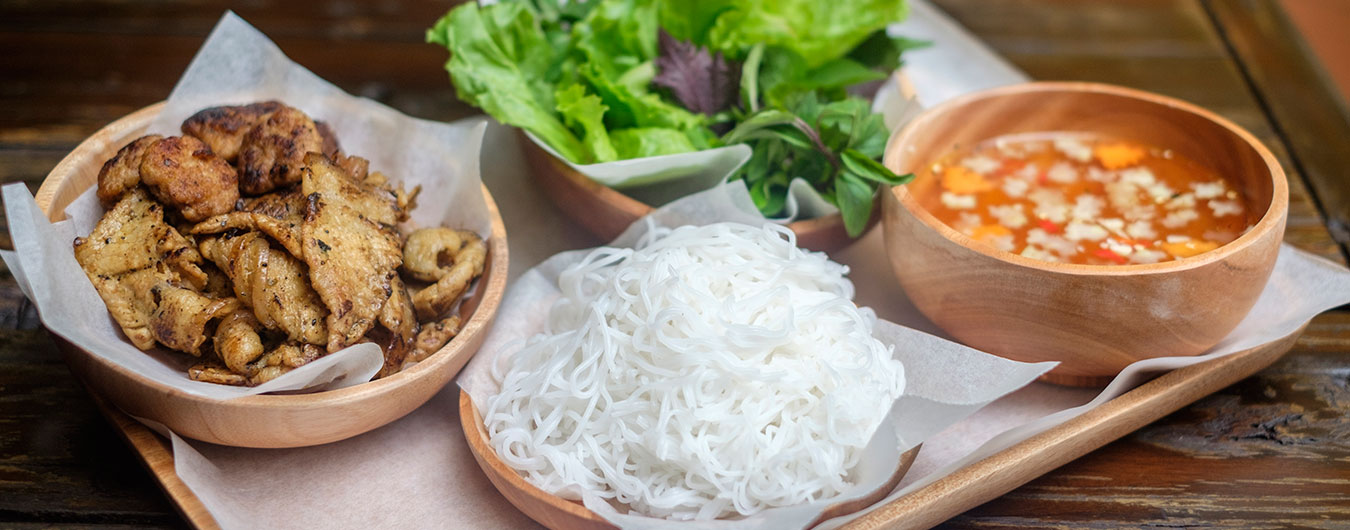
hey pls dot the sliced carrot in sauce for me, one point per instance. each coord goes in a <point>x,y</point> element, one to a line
<point>1110,255</point>
<point>1118,155</point>
<point>989,232</point>
<point>1049,226</point>
<point>961,180</point>
<point>1186,249</point>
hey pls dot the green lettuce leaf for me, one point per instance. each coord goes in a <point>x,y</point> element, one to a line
<point>882,52</point>
<point>501,62</point>
<point>616,45</point>
<point>585,112</point>
<point>632,106</point>
<point>617,35</point>
<point>691,20</point>
<point>817,31</point>
<point>638,142</point>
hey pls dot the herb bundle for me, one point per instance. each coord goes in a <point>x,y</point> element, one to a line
<point>605,80</point>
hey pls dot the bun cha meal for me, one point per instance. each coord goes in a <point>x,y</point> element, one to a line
<point>254,243</point>
<point>710,372</point>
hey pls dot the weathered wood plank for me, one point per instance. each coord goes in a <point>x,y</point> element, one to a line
<point>387,20</point>
<point>1162,46</point>
<point>60,462</point>
<point>1272,450</point>
<point>95,87</point>
<point>1309,116</point>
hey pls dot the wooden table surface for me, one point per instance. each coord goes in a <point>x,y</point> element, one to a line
<point>1273,450</point>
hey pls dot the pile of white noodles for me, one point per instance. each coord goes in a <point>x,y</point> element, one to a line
<point>710,371</point>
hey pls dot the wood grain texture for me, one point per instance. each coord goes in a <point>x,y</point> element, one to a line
<point>1006,470</point>
<point>156,453</point>
<point>60,462</point>
<point>72,66</point>
<point>1267,452</point>
<point>1094,320</point>
<point>1307,113</point>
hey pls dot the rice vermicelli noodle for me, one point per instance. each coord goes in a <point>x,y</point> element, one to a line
<point>708,372</point>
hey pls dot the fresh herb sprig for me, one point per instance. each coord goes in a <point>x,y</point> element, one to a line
<point>833,145</point>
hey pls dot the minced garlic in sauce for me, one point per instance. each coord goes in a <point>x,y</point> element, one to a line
<point>1077,198</point>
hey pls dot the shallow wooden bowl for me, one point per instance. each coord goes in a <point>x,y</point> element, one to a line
<point>559,513</point>
<point>269,421</point>
<point>606,212</point>
<point>1093,319</point>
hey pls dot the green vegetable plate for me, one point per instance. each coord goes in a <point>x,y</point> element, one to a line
<point>661,98</point>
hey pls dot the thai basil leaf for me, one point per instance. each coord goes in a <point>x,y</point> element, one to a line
<point>841,73</point>
<point>854,198</point>
<point>761,120</point>
<point>868,168</point>
<point>750,78</point>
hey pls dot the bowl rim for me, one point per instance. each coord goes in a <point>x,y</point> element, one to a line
<point>475,435</point>
<point>637,209</point>
<point>1272,219</point>
<point>493,291</point>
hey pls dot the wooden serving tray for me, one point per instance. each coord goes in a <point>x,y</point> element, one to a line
<point>962,490</point>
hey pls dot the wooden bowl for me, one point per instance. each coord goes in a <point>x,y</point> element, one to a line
<point>559,513</point>
<point>1093,319</point>
<point>606,212</point>
<point>270,421</point>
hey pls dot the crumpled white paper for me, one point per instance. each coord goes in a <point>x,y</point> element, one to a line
<point>417,472</point>
<point>236,65</point>
<point>945,381</point>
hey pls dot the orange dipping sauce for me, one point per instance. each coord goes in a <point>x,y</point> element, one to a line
<point>1078,198</point>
